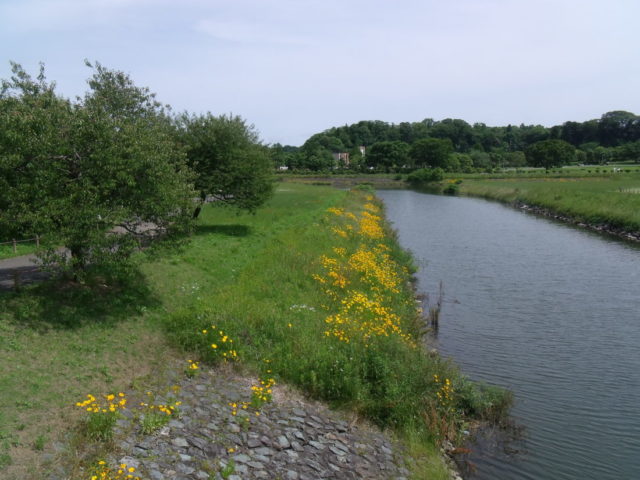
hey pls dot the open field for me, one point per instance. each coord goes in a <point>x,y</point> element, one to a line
<point>612,200</point>
<point>254,277</point>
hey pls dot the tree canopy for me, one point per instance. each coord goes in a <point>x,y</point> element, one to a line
<point>230,163</point>
<point>99,174</point>
<point>598,140</point>
<point>111,170</point>
<point>388,154</point>
<point>550,153</point>
<point>431,152</point>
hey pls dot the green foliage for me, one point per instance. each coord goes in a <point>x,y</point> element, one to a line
<point>100,174</point>
<point>502,146</point>
<point>451,189</point>
<point>99,426</point>
<point>386,155</point>
<point>431,152</point>
<point>231,164</point>
<point>228,470</point>
<point>425,175</point>
<point>550,153</point>
<point>152,421</point>
<point>40,442</point>
<point>481,400</point>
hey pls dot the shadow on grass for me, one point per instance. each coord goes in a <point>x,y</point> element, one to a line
<point>235,230</point>
<point>59,304</point>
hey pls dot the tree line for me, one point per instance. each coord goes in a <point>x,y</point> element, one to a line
<point>115,168</point>
<point>455,145</point>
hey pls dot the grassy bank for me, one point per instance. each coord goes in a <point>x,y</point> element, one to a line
<point>314,284</point>
<point>613,200</point>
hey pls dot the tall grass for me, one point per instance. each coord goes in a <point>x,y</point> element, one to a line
<point>612,200</point>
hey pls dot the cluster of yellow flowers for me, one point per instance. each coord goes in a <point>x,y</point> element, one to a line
<point>238,405</point>
<point>103,472</point>
<point>370,226</point>
<point>445,393</point>
<point>262,393</point>
<point>220,343</point>
<point>362,279</point>
<point>376,266</point>
<point>192,369</point>
<point>192,365</point>
<point>169,408</point>
<point>113,403</point>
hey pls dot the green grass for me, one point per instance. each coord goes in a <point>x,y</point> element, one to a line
<point>590,171</point>
<point>250,275</point>
<point>613,200</point>
<point>22,248</point>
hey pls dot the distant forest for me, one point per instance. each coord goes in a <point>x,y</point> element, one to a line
<point>455,145</point>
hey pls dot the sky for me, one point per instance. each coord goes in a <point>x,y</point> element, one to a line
<point>297,67</point>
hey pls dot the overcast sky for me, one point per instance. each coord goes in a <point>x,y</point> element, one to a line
<point>296,67</point>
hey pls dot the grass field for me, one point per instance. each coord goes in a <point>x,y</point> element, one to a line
<point>254,277</point>
<point>612,200</point>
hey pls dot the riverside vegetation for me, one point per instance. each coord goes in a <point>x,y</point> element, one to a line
<point>611,200</point>
<point>313,291</point>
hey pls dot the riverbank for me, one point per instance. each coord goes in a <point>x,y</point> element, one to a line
<point>313,288</point>
<point>608,204</point>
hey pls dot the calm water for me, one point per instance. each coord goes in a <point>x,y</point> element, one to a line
<point>549,311</point>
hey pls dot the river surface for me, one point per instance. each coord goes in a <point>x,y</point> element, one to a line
<point>546,310</point>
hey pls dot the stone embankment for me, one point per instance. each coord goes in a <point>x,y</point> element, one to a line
<point>602,228</point>
<point>289,439</point>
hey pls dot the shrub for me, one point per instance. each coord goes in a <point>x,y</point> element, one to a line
<point>425,175</point>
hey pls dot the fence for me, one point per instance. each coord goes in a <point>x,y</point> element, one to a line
<point>15,242</point>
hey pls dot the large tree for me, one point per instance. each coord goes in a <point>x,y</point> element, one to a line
<point>99,174</point>
<point>230,163</point>
<point>431,152</point>
<point>387,154</point>
<point>550,153</point>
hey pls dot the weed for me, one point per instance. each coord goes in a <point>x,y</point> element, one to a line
<point>40,442</point>
<point>156,414</point>
<point>228,470</point>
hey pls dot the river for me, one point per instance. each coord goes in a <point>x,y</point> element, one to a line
<point>542,308</point>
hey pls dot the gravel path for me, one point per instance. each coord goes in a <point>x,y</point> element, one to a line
<point>290,439</point>
<point>24,267</point>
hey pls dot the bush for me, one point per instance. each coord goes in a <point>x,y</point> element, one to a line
<point>425,175</point>
<point>451,189</point>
